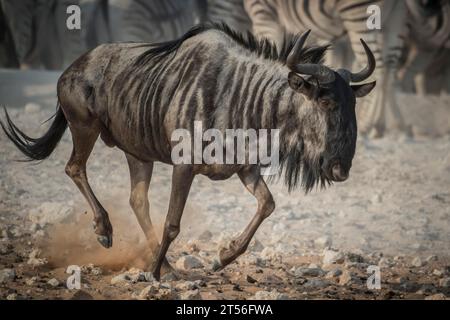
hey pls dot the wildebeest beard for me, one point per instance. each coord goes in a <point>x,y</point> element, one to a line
<point>297,167</point>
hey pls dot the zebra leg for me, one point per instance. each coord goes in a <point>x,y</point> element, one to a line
<point>140,176</point>
<point>84,138</point>
<point>251,178</point>
<point>182,178</point>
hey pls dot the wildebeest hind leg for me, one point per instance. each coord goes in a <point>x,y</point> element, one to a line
<point>84,138</point>
<point>251,178</point>
<point>140,176</point>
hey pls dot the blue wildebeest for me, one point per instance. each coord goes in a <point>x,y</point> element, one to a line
<point>135,95</point>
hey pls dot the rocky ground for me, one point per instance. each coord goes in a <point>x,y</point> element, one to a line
<point>392,213</point>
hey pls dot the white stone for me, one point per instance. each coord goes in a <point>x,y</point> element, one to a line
<point>158,291</point>
<point>269,295</point>
<point>34,260</point>
<point>377,198</point>
<point>385,262</point>
<point>96,271</point>
<point>7,275</point>
<point>323,242</point>
<point>269,253</point>
<point>12,296</point>
<point>121,278</point>
<point>437,296</point>
<point>332,257</point>
<point>417,262</point>
<point>53,282</point>
<point>438,273</point>
<point>31,281</point>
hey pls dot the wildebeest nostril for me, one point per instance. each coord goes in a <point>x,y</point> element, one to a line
<point>338,173</point>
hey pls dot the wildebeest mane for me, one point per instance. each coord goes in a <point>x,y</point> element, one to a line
<point>296,168</point>
<point>262,47</point>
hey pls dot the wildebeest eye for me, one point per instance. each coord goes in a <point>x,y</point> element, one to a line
<point>327,103</point>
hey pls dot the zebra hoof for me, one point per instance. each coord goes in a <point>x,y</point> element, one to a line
<point>105,241</point>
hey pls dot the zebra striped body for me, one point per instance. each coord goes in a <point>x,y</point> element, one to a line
<point>427,64</point>
<point>40,34</point>
<point>150,21</point>
<point>231,12</point>
<point>41,37</point>
<point>333,20</point>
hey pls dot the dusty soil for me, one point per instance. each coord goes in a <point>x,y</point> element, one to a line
<point>393,212</point>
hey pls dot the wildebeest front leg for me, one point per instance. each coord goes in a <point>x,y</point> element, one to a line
<point>251,178</point>
<point>140,177</point>
<point>182,177</point>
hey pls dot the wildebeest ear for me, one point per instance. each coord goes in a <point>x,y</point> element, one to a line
<point>301,85</point>
<point>362,90</point>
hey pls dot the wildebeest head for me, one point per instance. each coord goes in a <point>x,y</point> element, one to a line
<point>328,125</point>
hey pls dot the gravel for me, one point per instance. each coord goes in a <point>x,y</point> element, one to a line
<point>188,262</point>
<point>331,256</point>
<point>7,275</point>
<point>269,295</point>
<point>53,282</point>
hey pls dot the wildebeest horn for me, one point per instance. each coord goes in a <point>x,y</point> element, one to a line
<point>363,74</point>
<point>291,60</point>
<point>322,73</point>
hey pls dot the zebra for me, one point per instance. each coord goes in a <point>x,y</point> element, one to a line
<point>42,39</point>
<point>8,55</point>
<point>39,33</point>
<point>230,12</point>
<point>332,20</point>
<point>164,20</point>
<point>135,95</point>
<point>426,67</point>
<point>150,21</point>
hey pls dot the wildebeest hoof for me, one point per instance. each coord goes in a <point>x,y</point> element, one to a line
<point>216,265</point>
<point>104,231</point>
<point>105,241</point>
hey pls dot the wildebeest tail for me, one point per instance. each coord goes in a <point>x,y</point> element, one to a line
<point>36,148</point>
